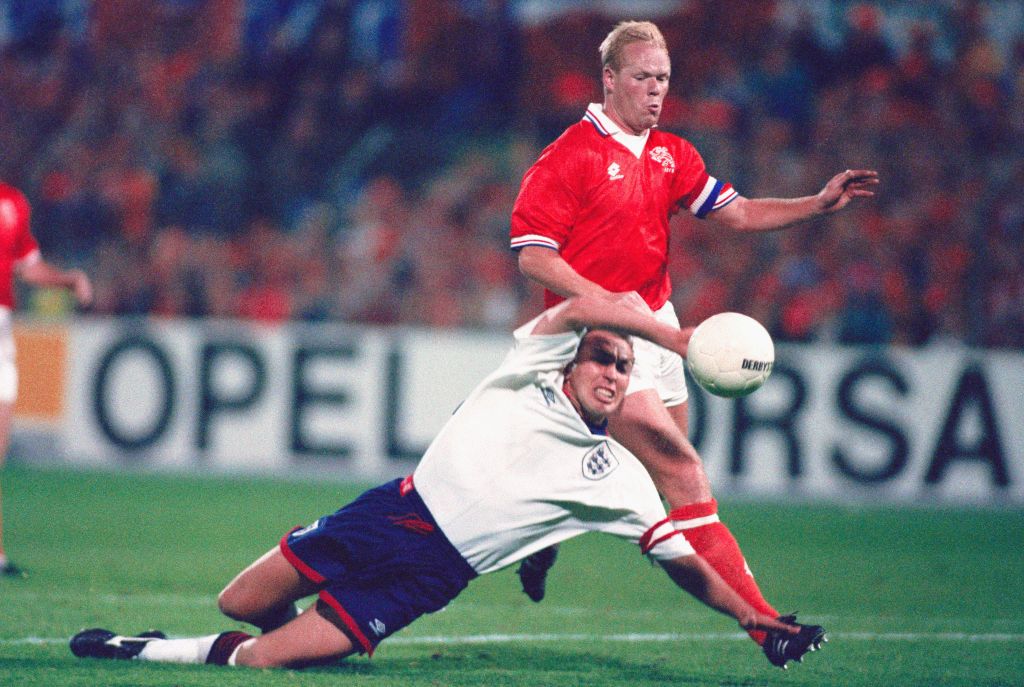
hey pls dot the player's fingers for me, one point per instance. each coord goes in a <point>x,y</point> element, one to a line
<point>760,621</point>
<point>861,176</point>
<point>768,623</point>
<point>632,299</point>
<point>856,176</point>
<point>83,290</point>
<point>859,187</point>
<point>636,300</point>
<point>684,340</point>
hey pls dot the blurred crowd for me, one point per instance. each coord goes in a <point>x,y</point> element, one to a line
<point>300,160</point>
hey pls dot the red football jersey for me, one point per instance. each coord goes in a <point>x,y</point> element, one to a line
<point>606,211</point>
<point>16,240</point>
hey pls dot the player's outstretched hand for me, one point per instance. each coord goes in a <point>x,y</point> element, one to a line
<point>631,299</point>
<point>845,186</point>
<point>782,647</point>
<point>82,288</point>
<point>684,340</point>
<point>760,621</point>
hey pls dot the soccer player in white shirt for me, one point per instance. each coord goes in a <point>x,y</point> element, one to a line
<point>523,463</point>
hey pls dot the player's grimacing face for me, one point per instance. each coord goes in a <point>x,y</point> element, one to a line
<point>634,93</point>
<point>598,379</point>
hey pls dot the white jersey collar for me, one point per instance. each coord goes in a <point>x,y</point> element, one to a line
<point>596,116</point>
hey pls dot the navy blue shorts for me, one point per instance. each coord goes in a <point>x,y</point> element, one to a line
<point>382,561</point>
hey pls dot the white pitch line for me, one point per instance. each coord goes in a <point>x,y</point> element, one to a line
<point>633,638</point>
<point>696,637</point>
<point>630,616</point>
<point>137,598</point>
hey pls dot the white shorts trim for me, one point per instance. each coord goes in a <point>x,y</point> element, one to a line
<point>695,522</point>
<point>8,365</point>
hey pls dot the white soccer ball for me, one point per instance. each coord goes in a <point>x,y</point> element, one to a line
<point>730,354</point>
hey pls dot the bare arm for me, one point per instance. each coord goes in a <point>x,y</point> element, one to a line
<point>549,269</point>
<point>41,273</point>
<point>694,575</point>
<point>766,214</point>
<point>628,313</point>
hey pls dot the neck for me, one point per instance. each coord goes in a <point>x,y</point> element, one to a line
<point>597,427</point>
<point>596,423</point>
<point>610,112</point>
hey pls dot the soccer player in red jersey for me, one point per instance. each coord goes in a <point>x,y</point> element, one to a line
<point>20,256</point>
<point>592,218</point>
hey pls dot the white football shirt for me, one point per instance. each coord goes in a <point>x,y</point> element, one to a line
<point>516,469</point>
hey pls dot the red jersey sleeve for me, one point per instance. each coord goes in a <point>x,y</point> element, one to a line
<point>698,191</point>
<point>16,240</point>
<point>548,203</point>
<point>15,220</point>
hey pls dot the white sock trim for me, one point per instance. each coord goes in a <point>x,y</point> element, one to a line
<point>186,650</point>
<point>695,522</point>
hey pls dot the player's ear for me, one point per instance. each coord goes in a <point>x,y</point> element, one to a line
<point>608,78</point>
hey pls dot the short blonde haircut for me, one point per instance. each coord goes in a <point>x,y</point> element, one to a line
<point>625,33</point>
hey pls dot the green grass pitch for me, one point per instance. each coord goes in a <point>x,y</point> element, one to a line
<point>909,596</point>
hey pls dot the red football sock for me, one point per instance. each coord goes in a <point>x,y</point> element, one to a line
<point>714,543</point>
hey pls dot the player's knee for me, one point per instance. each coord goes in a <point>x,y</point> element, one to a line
<point>232,602</point>
<point>225,603</point>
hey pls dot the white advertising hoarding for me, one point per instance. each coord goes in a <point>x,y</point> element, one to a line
<point>938,424</point>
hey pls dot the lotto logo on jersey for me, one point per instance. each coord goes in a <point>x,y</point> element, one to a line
<point>614,171</point>
<point>599,462</point>
<point>661,155</point>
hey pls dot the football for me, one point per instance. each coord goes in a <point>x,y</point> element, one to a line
<point>730,354</point>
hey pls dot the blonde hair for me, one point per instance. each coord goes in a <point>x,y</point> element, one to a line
<point>625,33</point>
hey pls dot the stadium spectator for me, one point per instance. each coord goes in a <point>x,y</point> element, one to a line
<point>864,48</point>
<point>21,258</point>
<point>410,546</point>
<point>220,113</point>
<point>592,218</point>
